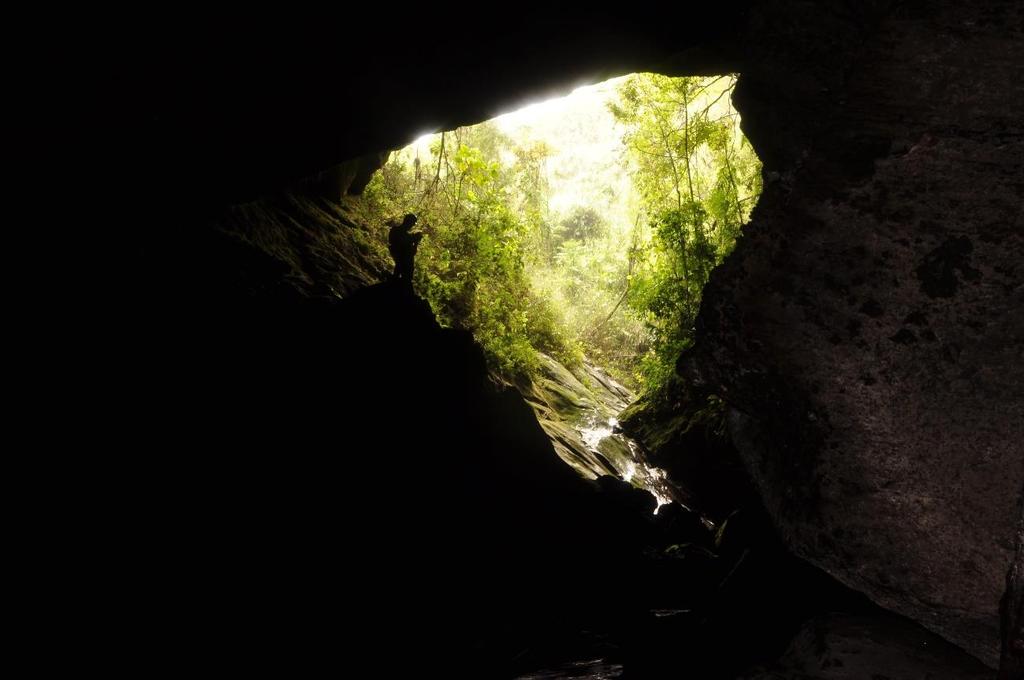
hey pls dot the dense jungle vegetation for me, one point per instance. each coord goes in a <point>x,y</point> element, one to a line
<point>582,226</point>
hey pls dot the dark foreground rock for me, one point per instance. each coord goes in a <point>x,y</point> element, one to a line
<point>349,484</point>
<point>844,647</point>
<point>848,647</point>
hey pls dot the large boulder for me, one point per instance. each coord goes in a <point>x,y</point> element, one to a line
<point>868,327</point>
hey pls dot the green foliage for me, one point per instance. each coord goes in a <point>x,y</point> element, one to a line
<point>582,224</point>
<point>480,218</point>
<point>574,239</point>
<point>711,417</point>
<point>698,179</point>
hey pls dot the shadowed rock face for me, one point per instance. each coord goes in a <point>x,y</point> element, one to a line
<point>1012,607</point>
<point>844,647</point>
<point>868,326</point>
<point>348,487</point>
<point>230,107</point>
<point>867,330</point>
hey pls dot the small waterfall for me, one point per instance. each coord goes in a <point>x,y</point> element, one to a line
<point>579,410</point>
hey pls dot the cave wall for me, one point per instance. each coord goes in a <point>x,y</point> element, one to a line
<point>226,107</point>
<point>868,328</point>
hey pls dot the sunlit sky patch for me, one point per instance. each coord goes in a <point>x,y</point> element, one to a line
<point>588,165</point>
<point>588,96</point>
<point>590,168</point>
<point>596,151</point>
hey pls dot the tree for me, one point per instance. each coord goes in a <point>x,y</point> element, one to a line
<point>480,217</point>
<point>698,178</point>
<point>544,242</point>
<point>582,224</point>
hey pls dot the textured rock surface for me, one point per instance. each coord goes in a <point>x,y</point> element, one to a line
<point>686,434</point>
<point>869,326</point>
<point>577,409</point>
<point>1012,665</point>
<point>324,248</point>
<point>844,647</point>
<point>561,401</point>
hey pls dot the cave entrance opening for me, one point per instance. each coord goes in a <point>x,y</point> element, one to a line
<point>574,237</point>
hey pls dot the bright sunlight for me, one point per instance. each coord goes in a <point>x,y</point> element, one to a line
<point>584,226</point>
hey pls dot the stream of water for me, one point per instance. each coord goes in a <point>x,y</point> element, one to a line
<point>612,451</point>
<point>579,409</point>
<point>599,435</point>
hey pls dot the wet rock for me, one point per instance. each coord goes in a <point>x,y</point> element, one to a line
<point>684,433</point>
<point>594,669</point>
<point>617,449</point>
<point>567,393</point>
<point>613,395</point>
<point>570,448</point>
<point>577,409</point>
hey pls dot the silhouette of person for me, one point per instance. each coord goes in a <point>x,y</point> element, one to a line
<point>403,243</point>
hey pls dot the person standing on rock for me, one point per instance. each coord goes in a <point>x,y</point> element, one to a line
<point>402,243</point>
